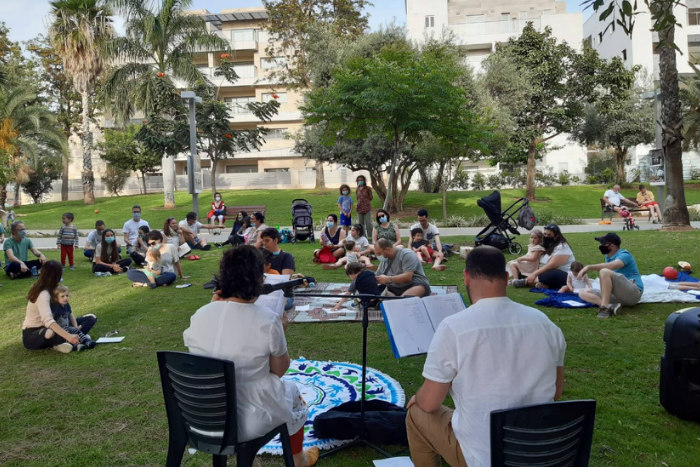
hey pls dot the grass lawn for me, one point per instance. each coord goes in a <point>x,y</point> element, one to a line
<point>105,407</point>
<point>581,201</point>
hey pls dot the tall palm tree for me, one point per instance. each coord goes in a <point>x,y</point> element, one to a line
<point>155,52</point>
<point>79,31</point>
<point>28,131</point>
<point>690,100</point>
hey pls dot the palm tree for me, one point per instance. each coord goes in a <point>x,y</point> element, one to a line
<point>78,33</point>
<point>155,52</point>
<point>28,131</point>
<point>690,100</point>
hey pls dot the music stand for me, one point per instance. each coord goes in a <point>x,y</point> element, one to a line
<point>364,300</point>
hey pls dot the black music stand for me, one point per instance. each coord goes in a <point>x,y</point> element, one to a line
<point>362,435</point>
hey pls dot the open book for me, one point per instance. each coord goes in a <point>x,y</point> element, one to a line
<point>275,300</point>
<point>411,322</point>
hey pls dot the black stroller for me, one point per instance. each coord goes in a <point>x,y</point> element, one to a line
<point>302,222</point>
<point>497,233</point>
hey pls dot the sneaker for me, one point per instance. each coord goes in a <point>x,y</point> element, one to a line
<point>66,347</point>
<point>615,309</point>
<point>206,248</point>
<point>603,312</point>
<point>12,275</point>
<point>72,268</point>
<point>80,347</point>
<point>519,283</point>
<point>218,245</point>
<point>90,344</point>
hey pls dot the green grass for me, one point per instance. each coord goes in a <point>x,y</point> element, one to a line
<point>581,201</point>
<point>104,407</point>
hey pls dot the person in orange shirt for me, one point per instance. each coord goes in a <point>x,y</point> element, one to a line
<point>646,198</point>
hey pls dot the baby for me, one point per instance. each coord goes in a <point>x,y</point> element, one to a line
<point>420,246</point>
<point>152,269</point>
<point>573,283</point>
<point>351,256</point>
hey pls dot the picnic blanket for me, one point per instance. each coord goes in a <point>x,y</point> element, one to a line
<point>318,309</point>
<point>325,385</point>
<point>655,291</point>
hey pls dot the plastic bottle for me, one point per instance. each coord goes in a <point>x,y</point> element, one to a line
<point>99,274</point>
<point>34,271</point>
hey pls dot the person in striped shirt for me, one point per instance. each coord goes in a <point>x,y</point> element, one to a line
<point>67,239</point>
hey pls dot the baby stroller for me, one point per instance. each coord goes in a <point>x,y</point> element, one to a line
<point>502,224</point>
<point>302,222</point>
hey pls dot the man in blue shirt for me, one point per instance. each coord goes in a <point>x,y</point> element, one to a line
<point>620,281</point>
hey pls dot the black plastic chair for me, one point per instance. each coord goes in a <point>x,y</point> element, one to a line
<point>544,435</point>
<point>200,400</point>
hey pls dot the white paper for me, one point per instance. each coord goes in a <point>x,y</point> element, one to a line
<point>275,300</point>
<point>303,308</point>
<point>403,461</point>
<point>183,286</point>
<point>110,340</point>
<point>409,324</point>
<point>574,303</point>
<point>441,306</point>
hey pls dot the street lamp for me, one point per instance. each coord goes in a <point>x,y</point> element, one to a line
<point>194,180</point>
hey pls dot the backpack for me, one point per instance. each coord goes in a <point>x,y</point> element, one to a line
<point>285,236</point>
<point>526,218</point>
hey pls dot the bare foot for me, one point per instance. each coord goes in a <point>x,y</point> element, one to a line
<point>440,267</point>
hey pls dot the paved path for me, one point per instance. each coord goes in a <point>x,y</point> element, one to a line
<point>46,239</point>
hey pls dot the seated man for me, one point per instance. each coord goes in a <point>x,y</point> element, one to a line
<point>282,261</point>
<point>131,234</point>
<point>496,354</point>
<point>190,228</point>
<point>16,248</point>
<point>400,270</point>
<point>93,239</point>
<point>616,201</point>
<point>620,281</point>
<point>432,235</point>
<point>645,198</point>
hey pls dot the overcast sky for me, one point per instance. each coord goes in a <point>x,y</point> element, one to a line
<point>28,18</point>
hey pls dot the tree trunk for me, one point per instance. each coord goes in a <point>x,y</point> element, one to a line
<point>426,182</point>
<point>675,207</point>
<point>86,137</point>
<point>168,169</point>
<point>620,158</point>
<point>439,178</point>
<point>65,180</point>
<point>530,185</point>
<point>212,175</point>
<point>17,202</point>
<point>143,182</point>
<point>389,200</point>
<point>3,195</point>
<point>320,178</point>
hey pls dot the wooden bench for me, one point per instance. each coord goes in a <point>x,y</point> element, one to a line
<point>607,210</point>
<point>232,211</point>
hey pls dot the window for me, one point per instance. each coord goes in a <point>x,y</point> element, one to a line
<point>624,54</point>
<point>271,63</point>
<point>281,97</point>
<point>243,35</point>
<point>430,21</point>
<point>471,19</point>
<point>241,169</point>
<point>277,170</point>
<point>693,16</point>
<point>276,133</point>
<point>238,105</point>
<point>244,69</point>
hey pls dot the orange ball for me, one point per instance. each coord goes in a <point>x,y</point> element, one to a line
<point>97,211</point>
<point>670,273</point>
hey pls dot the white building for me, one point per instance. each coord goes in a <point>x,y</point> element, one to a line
<point>479,25</point>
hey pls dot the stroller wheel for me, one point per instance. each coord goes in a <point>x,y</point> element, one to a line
<point>624,227</point>
<point>636,227</point>
<point>311,238</point>
<point>515,248</point>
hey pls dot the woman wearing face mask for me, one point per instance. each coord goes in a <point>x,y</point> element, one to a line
<point>258,225</point>
<point>555,263</point>
<point>169,262</point>
<point>345,207</point>
<point>16,248</point>
<point>107,257</point>
<point>333,236</point>
<point>364,204</point>
<point>234,238</point>
<point>218,210</point>
<point>386,229</point>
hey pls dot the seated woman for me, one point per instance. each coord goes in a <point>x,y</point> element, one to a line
<point>555,263</point>
<point>233,327</point>
<point>169,263</point>
<point>234,238</point>
<point>107,257</point>
<point>333,237</point>
<point>357,235</point>
<point>172,232</point>
<point>645,198</point>
<point>385,229</point>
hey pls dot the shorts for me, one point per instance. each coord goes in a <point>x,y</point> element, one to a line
<point>193,244</point>
<point>345,221</point>
<point>624,290</point>
<point>399,289</point>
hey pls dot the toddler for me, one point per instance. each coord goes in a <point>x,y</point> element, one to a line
<point>573,283</point>
<point>345,207</point>
<point>420,246</point>
<point>363,282</point>
<point>63,315</point>
<point>67,239</point>
<point>267,262</point>
<point>351,256</point>
<point>152,269</point>
<point>527,264</point>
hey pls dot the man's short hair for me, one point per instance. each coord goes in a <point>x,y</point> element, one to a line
<point>422,212</point>
<point>14,227</point>
<point>135,206</point>
<point>191,216</point>
<point>353,268</point>
<point>486,262</point>
<point>99,223</point>
<point>383,244</point>
<point>270,232</point>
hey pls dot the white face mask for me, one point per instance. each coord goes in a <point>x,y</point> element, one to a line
<point>217,198</point>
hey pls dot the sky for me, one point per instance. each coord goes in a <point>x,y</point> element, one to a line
<point>28,18</point>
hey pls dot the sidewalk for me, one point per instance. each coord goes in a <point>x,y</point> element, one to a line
<point>46,239</point>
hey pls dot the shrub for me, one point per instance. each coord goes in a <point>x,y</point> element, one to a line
<point>461,180</point>
<point>478,181</point>
<point>545,178</point>
<point>694,215</point>
<point>591,179</point>
<point>564,178</point>
<point>494,181</point>
<point>114,179</point>
<point>606,176</point>
<point>695,174</point>
<point>545,217</point>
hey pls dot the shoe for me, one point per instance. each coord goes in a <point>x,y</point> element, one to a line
<point>206,247</point>
<point>615,309</point>
<point>152,285</point>
<point>90,344</point>
<point>12,275</point>
<point>80,347</point>
<point>603,312</point>
<point>66,347</point>
<point>72,268</point>
<point>218,245</point>
<point>311,456</point>
<point>519,283</point>
<point>125,268</point>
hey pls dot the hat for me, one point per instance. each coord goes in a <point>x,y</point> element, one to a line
<point>610,238</point>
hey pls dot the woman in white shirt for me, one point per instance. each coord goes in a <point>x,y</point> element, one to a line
<point>233,327</point>
<point>556,261</point>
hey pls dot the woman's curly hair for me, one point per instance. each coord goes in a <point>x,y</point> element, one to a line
<point>241,273</point>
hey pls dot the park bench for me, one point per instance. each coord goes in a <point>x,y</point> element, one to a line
<point>232,211</point>
<point>607,210</point>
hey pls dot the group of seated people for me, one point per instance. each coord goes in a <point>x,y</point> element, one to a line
<point>645,198</point>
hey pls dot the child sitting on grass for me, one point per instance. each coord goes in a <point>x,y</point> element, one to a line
<point>363,282</point>
<point>351,256</point>
<point>63,315</point>
<point>527,264</point>
<point>420,246</point>
<point>267,262</point>
<point>573,283</point>
<point>152,269</point>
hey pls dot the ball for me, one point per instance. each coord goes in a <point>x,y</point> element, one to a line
<point>97,211</point>
<point>624,213</point>
<point>670,273</point>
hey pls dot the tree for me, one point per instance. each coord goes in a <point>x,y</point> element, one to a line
<point>114,179</point>
<point>44,171</point>
<point>293,28</point>
<point>623,13</point>
<point>79,31</point>
<point>545,84</point>
<point>620,119</point>
<point>123,151</point>
<point>56,90</point>
<point>690,100</point>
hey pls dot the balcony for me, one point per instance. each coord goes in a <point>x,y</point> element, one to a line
<point>240,114</point>
<point>240,39</point>
<point>487,32</point>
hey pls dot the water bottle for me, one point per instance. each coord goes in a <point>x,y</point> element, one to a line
<point>99,274</point>
<point>34,272</point>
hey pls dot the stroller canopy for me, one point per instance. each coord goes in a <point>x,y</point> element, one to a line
<point>491,205</point>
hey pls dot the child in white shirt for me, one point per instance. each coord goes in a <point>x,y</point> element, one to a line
<point>573,283</point>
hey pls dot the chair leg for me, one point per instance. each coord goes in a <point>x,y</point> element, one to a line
<point>175,452</point>
<point>286,447</point>
<point>245,456</point>
<point>218,461</point>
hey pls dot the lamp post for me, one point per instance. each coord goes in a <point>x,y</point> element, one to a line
<point>194,183</point>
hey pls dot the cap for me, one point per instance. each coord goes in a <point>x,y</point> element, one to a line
<point>610,238</point>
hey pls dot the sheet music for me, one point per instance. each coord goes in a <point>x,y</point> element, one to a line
<point>440,307</point>
<point>409,325</point>
<point>275,300</point>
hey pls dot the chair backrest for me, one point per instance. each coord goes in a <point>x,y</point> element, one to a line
<point>544,435</point>
<point>200,400</point>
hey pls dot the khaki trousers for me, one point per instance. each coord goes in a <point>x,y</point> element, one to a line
<point>430,436</point>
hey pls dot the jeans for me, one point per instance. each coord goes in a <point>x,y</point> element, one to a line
<point>16,268</point>
<point>165,278</point>
<point>33,338</point>
<point>102,268</point>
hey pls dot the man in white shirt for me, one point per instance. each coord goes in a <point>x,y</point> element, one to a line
<point>432,235</point>
<point>190,231</point>
<point>93,239</point>
<point>497,354</point>
<point>131,229</point>
<point>616,201</point>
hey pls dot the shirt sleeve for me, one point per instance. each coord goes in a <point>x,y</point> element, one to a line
<point>441,362</point>
<point>43,303</point>
<point>288,262</point>
<point>278,343</point>
<point>409,262</point>
<point>30,245</point>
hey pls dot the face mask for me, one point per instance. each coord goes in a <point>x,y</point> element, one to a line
<point>383,220</point>
<point>605,249</point>
<point>330,224</point>
<point>217,198</point>
<point>253,224</point>
<point>547,242</point>
<point>345,192</point>
<point>22,233</point>
<point>137,216</point>
<point>109,239</point>
<point>277,253</point>
<point>360,183</point>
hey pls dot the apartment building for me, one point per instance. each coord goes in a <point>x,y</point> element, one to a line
<point>478,26</point>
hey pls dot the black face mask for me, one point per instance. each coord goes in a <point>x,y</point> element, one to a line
<point>547,242</point>
<point>605,249</point>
